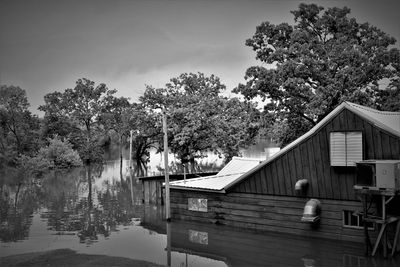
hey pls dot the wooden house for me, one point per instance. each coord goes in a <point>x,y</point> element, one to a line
<point>318,166</point>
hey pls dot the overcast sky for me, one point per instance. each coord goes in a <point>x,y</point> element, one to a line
<point>46,45</point>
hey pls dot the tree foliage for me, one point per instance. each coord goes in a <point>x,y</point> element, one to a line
<point>199,119</point>
<point>60,154</point>
<point>113,113</point>
<point>56,119</point>
<point>146,131</point>
<point>82,107</point>
<point>389,99</point>
<point>325,58</point>
<point>19,129</point>
<point>237,126</point>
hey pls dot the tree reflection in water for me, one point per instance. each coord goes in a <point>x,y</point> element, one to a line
<point>18,201</point>
<point>69,202</point>
<point>15,219</point>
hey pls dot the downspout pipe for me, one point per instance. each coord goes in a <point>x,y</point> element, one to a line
<point>312,211</point>
<point>301,186</point>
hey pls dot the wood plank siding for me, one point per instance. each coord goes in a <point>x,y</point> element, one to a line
<point>268,213</point>
<point>310,160</point>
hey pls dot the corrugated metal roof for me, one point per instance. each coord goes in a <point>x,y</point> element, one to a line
<point>384,119</point>
<point>239,165</point>
<point>216,182</point>
<point>233,170</point>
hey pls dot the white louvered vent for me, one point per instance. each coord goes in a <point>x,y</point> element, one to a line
<point>338,149</point>
<point>354,148</point>
<point>346,148</point>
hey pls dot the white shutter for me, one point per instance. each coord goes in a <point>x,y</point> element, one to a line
<point>338,148</point>
<point>354,148</point>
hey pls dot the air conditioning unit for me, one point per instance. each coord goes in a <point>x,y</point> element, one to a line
<point>378,174</point>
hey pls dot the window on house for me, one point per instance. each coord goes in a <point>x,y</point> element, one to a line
<point>197,204</point>
<point>353,220</point>
<point>346,148</point>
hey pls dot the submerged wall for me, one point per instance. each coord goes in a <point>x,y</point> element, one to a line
<point>269,213</point>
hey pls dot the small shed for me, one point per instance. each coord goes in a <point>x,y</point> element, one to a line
<point>319,166</point>
<point>152,186</point>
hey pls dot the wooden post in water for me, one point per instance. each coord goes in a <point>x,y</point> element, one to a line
<point>169,244</point>
<point>167,203</point>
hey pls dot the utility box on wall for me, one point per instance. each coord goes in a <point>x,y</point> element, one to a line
<point>378,174</point>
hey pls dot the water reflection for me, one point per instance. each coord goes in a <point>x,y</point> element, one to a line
<point>17,204</point>
<point>244,248</point>
<point>95,211</point>
<point>68,202</point>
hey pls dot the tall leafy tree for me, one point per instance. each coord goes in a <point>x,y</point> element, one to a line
<point>57,121</point>
<point>237,126</point>
<point>19,129</point>
<point>146,130</point>
<point>82,105</point>
<point>199,118</point>
<point>325,58</point>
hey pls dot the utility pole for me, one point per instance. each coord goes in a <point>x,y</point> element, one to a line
<point>167,200</point>
<point>130,165</point>
<point>130,150</point>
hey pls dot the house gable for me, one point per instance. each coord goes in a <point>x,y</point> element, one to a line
<point>308,158</point>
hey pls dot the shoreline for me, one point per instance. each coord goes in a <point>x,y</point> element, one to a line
<point>69,257</point>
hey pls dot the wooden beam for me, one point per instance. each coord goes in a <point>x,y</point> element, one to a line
<point>396,237</point>
<point>379,239</point>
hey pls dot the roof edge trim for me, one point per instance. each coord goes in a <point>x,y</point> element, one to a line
<point>221,191</point>
<point>376,122</point>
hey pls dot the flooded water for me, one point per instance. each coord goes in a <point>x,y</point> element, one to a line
<point>105,216</point>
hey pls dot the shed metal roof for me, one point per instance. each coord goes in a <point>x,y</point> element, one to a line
<point>387,120</point>
<point>233,170</point>
<point>214,183</point>
<point>238,165</point>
